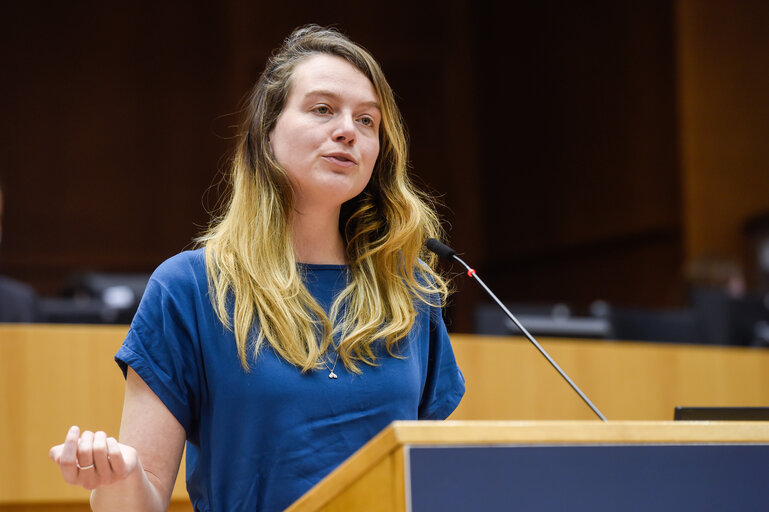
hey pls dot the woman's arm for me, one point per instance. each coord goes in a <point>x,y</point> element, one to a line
<point>139,472</point>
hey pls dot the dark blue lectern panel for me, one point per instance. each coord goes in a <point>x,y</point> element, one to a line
<point>590,478</point>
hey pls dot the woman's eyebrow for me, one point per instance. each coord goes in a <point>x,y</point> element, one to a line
<point>335,96</point>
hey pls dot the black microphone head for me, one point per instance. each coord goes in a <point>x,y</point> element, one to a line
<point>442,250</point>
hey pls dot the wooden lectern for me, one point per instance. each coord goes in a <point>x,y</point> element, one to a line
<point>552,465</point>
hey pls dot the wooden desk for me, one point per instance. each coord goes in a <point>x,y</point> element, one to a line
<point>507,379</point>
<point>54,376</point>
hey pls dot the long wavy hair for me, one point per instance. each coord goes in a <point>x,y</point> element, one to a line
<point>255,284</point>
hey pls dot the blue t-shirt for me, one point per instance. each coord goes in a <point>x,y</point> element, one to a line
<point>258,440</point>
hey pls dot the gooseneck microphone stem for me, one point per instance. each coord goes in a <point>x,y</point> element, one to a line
<point>446,252</point>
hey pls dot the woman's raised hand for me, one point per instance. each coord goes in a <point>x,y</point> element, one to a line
<point>92,459</point>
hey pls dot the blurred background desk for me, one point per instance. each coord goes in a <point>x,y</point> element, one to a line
<point>54,376</point>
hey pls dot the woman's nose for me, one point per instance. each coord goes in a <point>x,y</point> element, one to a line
<point>344,130</point>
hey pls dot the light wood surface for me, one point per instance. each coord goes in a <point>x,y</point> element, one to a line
<point>507,379</point>
<point>378,489</point>
<point>54,376</point>
<point>80,506</point>
<point>351,481</point>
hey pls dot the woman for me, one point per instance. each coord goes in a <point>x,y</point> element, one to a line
<point>304,325</point>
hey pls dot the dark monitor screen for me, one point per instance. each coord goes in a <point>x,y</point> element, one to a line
<point>721,414</point>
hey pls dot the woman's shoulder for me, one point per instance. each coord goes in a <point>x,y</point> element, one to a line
<point>185,267</point>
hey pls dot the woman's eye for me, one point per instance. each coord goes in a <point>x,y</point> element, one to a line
<point>367,121</point>
<point>322,109</point>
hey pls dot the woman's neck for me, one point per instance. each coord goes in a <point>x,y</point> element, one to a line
<point>317,238</point>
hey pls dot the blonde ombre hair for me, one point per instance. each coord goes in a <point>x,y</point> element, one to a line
<point>255,284</point>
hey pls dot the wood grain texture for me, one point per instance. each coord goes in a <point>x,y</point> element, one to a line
<point>81,506</point>
<point>378,451</point>
<point>506,378</point>
<point>54,376</point>
<point>723,76</point>
<point>547,129</point>
<point>426,433</point>
<point>378,490</point>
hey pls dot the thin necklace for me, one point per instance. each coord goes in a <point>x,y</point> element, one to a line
<point>331,374</point>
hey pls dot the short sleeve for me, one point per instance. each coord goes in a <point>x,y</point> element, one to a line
<point>444,385</point>
<point>162,345</point>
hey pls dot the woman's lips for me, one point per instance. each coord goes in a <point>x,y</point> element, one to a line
<point>340,160</point>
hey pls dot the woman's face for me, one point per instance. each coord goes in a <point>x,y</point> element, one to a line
<point>327,137</point>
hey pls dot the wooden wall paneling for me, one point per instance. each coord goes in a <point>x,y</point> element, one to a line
<point>116,121</point>
<point>135,103</point>
<point>723,64</point>
<point>109,146</point>
<point>461,171</point>
<point>579,146</point>
<point>641,270</point>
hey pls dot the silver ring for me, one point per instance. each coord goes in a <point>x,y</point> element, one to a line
<point>83,467</point>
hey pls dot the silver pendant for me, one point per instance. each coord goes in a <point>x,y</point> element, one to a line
<point>332,375</point>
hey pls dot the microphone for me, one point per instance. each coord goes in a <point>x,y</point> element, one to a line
<point>446,252</point>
